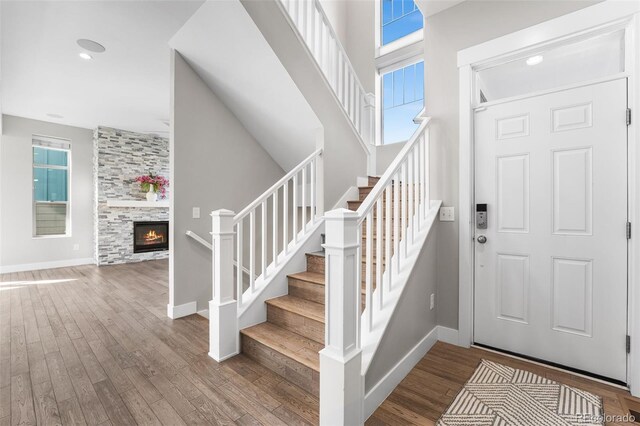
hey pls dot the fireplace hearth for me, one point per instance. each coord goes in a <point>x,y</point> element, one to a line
<point>150,236</point>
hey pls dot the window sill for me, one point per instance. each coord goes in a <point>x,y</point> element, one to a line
<point>50,237</point>
<point>406,42</point>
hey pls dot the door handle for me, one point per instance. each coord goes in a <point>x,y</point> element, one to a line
<point>482,239</point>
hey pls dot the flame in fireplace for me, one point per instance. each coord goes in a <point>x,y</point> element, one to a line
<point>152,236</point>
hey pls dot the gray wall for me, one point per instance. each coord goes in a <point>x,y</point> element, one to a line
<point>412,319</point>
<point>216,164</point>
<point>354,24</point>
<point>17,245</point>
<point>459,27</point>
<point>360,41</point>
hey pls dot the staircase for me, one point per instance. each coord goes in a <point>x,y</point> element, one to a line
<point>289,341</point>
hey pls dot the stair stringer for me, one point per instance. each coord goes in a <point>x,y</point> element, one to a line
<point>387,355</point>
<point>255,312</point>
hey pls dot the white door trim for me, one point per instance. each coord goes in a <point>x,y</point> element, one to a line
<point>607,14</point>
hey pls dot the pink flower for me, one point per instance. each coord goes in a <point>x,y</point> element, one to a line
<point>157,183</point>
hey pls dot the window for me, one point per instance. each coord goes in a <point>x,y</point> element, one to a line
<point>402,100</point>
<point>399,18</point>
<point>400,70</point>
<point>51,167</point>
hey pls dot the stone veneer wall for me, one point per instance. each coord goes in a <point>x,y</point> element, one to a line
<point>119,157</point>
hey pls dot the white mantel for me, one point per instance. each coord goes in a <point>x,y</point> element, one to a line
<point>161,204</point>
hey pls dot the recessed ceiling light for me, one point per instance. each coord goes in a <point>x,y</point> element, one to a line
<point>90,45</point>
<point>54,115</point>
<point>85,56</point>
<point>535,60</point>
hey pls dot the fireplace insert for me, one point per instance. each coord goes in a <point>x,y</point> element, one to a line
<point>150,236</point>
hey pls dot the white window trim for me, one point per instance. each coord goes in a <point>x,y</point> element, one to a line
<point>55,144</point>
<point>408,41</point>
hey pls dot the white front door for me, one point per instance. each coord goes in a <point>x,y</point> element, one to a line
<point>551,277</point>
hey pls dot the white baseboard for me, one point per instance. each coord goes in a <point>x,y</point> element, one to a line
<point>46,265</point>
<point>204,313</point>
<point>179,311</point>
<point>384,387</point>
<point>448,335</point>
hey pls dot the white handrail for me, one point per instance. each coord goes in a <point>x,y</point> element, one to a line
<point>269,242</point>
<point>397,205</point>
<point>199,239</point>
<point>386,179</point>
<point>314,28</point>
<point>208,245</point>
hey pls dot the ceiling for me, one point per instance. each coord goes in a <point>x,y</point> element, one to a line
<point>431,7</point>
<point>125,87</point>
<point>249,79</point>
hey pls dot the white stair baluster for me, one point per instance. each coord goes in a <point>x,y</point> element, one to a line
<point>304,200</point>
<point>252,252</point>
<point>274,238</point>
<point>369,271</point>
<point>295,208</point>
<point>285,218</point>
<point>263,239</point>
<point>239,267</point>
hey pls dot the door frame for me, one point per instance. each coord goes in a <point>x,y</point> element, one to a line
<point>603,16</point>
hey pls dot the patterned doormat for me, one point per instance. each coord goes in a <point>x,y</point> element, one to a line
<point>497,395</point>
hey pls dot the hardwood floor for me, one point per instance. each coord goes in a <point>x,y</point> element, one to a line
<point>433,384</point>
<point>88,345</point>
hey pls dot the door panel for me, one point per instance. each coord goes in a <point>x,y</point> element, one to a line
<point>551,279</point>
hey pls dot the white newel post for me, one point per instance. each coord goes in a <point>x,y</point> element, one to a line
<point>341,381</point>
<point>223,309</point>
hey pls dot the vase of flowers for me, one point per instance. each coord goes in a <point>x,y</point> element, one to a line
<point>153,185</point>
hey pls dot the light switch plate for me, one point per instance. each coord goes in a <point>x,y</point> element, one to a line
<point>196,212</point>
<point>447,214</point>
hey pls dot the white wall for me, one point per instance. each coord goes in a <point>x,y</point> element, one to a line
<point>18,249</point>
<point>216,164</point>
<point>462,26</point>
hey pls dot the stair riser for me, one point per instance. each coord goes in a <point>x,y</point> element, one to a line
<point>373,180</point>
<point>306,290</point>
<point>295,323</point>
<point>315,264</point>
<point>295,372</point>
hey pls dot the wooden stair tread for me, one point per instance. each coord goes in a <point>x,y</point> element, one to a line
<point>311,277</point>
<point>297,347</point>
<point>302,307</point>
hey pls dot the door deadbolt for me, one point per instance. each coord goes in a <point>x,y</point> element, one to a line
<point>481,216</point>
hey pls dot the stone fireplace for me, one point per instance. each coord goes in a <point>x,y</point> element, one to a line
<point>123,217</point>
<point>150,236</point>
